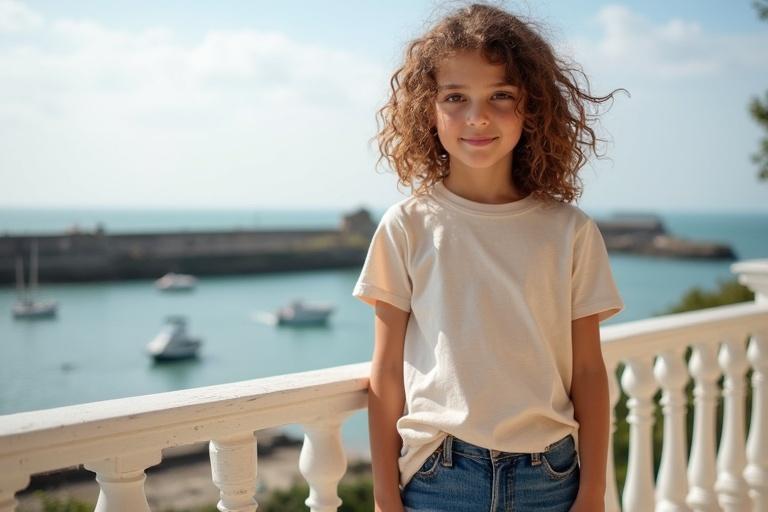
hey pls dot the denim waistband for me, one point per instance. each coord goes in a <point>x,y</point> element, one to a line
<point>452,444</point>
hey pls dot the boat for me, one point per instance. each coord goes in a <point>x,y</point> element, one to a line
<point>176,282</point>
<point>27,306</point>
<point>173,343</point>
<point>300,313</point>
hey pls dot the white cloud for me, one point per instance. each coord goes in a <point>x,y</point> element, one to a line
<point>235,118</point>
<point>635,45</point>
<point>17,17</point>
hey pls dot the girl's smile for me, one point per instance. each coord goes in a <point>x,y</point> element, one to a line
<point>480,142</point>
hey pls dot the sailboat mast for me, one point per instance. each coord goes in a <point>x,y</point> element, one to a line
<point>20,288</point>
<point>33,270</point>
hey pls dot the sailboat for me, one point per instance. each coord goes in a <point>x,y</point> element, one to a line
<point>26,306</point>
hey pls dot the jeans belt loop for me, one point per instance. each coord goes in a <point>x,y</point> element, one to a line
<point>447,451</point>
<point>535,459</point>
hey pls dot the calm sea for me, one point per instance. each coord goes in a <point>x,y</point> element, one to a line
<point>94,350</point>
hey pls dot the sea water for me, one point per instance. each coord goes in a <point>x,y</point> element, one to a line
<point>95,349</point>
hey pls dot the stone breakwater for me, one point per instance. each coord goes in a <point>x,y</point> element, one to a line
<point>96,255</point>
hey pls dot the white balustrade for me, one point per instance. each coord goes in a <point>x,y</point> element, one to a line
<point>121,481</point>
<point>672,481</point>
<point>322,462</point>
<point>754,274</point>
<point>756,473</point>
<point>119,439</point>
<point>233,469</point>
<point>701,466</point>
<point>731,487</point>
<point>637,381</point>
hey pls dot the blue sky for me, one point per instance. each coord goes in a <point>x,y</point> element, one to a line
<point>271,105</point>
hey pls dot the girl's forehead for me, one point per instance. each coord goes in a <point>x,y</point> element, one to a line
<point>469,67</point>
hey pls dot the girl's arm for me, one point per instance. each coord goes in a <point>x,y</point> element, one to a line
<point>589,393</point>
<point>386,398</point>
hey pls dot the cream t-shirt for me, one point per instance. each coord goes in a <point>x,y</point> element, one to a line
<point>492,290</point>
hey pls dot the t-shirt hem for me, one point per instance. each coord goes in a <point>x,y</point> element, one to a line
<point>369,294</point>
<point>412,466</point>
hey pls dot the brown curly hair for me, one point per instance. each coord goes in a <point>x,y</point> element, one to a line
<point>557,138</point>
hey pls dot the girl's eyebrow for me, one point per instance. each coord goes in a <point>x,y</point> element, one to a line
<point>459,86</point>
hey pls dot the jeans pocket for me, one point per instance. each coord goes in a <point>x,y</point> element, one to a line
<point>561,460</point>
<point>429,467</point>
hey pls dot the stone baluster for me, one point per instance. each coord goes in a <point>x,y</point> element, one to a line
<point>701,468</point>
<point>233,470</point>
<point>730,486</point>
<point>672,481</point>
<point>756,473</point>
<point>10,484</point>
<point>323,462</point>
<point>614,393</point>
<point>754,274</point>
<point>638,382</point>
<point>121,481</point>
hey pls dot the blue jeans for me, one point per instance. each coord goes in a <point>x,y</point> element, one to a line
<point>462,477</point>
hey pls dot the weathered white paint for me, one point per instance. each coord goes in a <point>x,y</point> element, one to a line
<point>233,470</point>
<point>119,439</point>
<point>121,481</point>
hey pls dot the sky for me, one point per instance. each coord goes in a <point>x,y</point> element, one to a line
<point>271,105</point>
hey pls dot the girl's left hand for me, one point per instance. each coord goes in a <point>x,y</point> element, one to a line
<point>588,503</point>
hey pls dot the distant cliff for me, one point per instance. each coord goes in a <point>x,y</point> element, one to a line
<point>92,256</point>
<point>646,235</point>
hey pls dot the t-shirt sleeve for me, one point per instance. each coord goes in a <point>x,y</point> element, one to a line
<point>593,288</point>
<point>385,272</point>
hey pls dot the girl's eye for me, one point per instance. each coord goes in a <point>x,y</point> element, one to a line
<point>504,96</point>
<point>453,98</point>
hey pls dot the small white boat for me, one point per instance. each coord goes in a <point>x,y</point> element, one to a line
<point>299,313</point>
<point>173,343</point>
<point>176,282</point>
<point>26,306</point>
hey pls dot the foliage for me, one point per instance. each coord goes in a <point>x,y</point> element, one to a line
<point>50,504</point>
<point>356,496</point>
<point>759,109</point>
<point>728,292</point>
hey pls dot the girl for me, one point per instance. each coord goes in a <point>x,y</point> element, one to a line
<point>488,390</point>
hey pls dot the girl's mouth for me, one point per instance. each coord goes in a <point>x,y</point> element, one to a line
<point>479,142</point>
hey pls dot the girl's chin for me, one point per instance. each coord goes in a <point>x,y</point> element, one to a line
<point>479,164</point>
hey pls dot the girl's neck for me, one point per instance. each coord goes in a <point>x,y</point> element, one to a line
<point>491,186</point>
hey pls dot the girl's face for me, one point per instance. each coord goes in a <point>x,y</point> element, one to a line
<point>477,115</point>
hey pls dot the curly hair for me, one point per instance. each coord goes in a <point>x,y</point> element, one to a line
<point>557,138</point>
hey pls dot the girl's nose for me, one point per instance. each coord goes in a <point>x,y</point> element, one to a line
<point>477,115</point>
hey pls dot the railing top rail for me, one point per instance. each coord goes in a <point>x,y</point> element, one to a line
<point>651,336</point>
<point>200,405</point>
